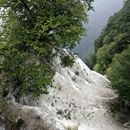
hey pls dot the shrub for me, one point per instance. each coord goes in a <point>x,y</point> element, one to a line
<point>119,74</point>
<point>67,61</point>
<point>90,61</point>
<point>25,75</point>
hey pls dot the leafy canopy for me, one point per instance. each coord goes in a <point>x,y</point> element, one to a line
<point>114,39</point>
<point>29,32</point>
<point>119,74</point>
<point>42,24</point>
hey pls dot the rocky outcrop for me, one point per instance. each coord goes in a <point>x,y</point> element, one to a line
<point>78,101</point>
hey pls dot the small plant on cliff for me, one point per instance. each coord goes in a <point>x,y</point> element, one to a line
<point>67,61</point>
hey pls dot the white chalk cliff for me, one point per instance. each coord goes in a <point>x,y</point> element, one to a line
<point>78,100</point>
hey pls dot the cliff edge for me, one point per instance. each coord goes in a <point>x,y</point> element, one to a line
<point>78,101</point>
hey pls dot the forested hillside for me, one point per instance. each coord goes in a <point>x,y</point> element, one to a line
<point>113,51</point>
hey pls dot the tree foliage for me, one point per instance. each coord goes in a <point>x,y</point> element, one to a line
<point>29,32</point>
<point>67,61</point>
<point>24,74</point>
<point>42,24</point>
<point>114,39</point>
<point>119,74</point>
<point>90,61</point>
<point>113,52</point>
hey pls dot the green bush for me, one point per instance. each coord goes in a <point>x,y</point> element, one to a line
<point>119,74</point>
<point>67,61</point>
<point>97,68</point>
<point>25,75</point>
<point>90,61</point>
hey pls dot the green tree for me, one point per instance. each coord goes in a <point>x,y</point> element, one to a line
<point>114,38</point>
<point>119,74</point>
<point>90,61</point>
<point>29,32</point>
<point>42,24</point>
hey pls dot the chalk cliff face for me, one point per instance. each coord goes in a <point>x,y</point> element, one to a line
<point>78,101</point>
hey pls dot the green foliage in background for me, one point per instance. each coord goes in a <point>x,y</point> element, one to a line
<point>113,52</point>
<point>114,39</point>
<point>119,74</point>
<point>90,61</point>
<point>29,32</point>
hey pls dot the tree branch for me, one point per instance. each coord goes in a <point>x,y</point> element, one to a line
<point>29,11</point>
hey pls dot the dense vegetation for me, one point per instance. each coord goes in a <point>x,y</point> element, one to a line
<point>114,39</point>
<point>119,74</point>
<point>29,32</point>
<point>113,51</point>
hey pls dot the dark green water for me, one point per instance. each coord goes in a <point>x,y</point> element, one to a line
<point>97,21</point>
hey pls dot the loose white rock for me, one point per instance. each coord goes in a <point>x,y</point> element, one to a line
<point>78,101</point>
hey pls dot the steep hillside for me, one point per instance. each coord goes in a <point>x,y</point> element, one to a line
<point>113,53</point>
<point>114,39</point>
<point>78,101</point>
